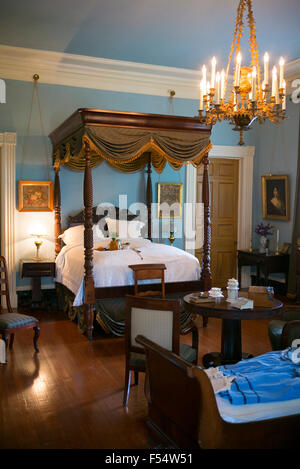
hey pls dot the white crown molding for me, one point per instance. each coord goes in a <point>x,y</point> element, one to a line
<point>60,68</point>
<point>18,63</point>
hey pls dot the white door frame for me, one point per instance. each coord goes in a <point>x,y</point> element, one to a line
<point>8,142</point>
<point>245,155</point>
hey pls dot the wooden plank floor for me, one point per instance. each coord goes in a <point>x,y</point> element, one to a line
<point>69,396</point>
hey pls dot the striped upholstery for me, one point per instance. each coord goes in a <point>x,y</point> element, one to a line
<point>2,351</point>
<point>12,320</point>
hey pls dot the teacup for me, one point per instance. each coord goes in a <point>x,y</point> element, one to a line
<point>215,291</point>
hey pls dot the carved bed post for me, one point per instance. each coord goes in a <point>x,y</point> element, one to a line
<point>89,288</point>
<point>57,211</point>
<point>206,273</point>
<point>149,198</point>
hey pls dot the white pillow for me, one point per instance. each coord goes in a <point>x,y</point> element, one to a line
<point>124,229</point>
<point>75,234</point>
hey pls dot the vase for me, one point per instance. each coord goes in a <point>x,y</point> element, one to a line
<point>263,244</point>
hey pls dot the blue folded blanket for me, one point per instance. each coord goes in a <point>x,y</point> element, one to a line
<point>271,377</point>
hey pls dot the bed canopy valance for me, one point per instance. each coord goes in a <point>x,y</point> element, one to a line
<point>129,142</point>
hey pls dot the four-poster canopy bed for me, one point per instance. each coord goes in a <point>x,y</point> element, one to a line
<point>129,142</point>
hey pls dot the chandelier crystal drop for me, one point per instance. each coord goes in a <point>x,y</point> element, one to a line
<point>251,96</point>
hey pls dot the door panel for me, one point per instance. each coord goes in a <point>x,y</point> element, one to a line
<point>224,212</point>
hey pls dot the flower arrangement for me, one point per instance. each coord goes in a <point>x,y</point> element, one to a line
<point>264,230</point>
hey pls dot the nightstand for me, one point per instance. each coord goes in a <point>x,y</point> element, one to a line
<point>36,270</point>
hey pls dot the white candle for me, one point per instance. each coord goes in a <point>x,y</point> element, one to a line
<point>253,83</point>
<point>277,240</point>
<point>207,87</point>
<point>204,77</point>
<point>223,84</point>
<point>218,88</point>
<point>266,68</point>
<point>234,102</point>
<point>201,96</point>
<point>284,96</point>
<point>213,71</point>
<point>281,69</point>
<point>238,69</point>
<point>263,87</point>
<point>274,81</point>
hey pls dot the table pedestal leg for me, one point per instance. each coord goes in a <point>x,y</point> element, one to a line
<point>231,346</point>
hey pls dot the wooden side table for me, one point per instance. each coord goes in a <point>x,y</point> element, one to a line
<point>36,270</point>
<point>266,264</point>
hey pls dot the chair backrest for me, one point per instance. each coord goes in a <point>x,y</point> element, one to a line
<point>148,272</point>
<point>4,288</point>
<point>290,332</point>
<point>155,318</point>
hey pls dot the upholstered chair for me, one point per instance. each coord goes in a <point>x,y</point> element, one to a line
<point>11,321</point>
<point>159,320</point>
<point>290,324</point>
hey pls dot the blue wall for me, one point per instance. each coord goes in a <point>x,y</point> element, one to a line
<point>276,152</point>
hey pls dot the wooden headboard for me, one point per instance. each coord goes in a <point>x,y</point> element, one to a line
<point>113,212</point>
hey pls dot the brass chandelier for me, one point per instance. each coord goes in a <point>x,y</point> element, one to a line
<point>250,97</point>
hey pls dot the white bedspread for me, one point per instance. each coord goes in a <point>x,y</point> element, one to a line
<point>111,267</point>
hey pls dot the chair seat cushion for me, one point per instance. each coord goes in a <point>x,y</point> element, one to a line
<point>13,320</point>
<point>187,352</point>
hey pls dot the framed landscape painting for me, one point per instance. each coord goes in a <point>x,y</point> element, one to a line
<point>35,196</point>
<point>169,200</point>
<point>275,197</point>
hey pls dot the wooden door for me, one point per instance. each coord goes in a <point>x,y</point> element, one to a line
<point>224,174</point>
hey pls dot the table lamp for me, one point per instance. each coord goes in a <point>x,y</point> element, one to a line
<point>38,233</point>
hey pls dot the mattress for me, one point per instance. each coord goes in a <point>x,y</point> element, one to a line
<point>111,267</point>
<point>253,412</point>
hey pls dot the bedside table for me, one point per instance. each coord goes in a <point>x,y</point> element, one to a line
<point>36,270</point>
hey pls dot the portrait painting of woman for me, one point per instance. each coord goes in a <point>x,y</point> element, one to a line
<point>275,197</point>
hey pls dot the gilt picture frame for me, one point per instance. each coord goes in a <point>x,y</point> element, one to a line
<point>275,197</point>
<point>169,199</point>
<point>35,196</point>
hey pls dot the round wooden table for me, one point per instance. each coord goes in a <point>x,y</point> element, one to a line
<point>231,343</point>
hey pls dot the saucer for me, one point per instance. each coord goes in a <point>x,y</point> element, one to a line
<point>219,295</point>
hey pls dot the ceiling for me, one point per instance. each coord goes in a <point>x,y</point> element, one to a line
<point>175,33</point>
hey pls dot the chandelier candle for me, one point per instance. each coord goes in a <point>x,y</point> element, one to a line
<point>266,69</point>
<point>218,88</point>
<point>201,96</point>
<point>281,71</point>
<point>213,71</point>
